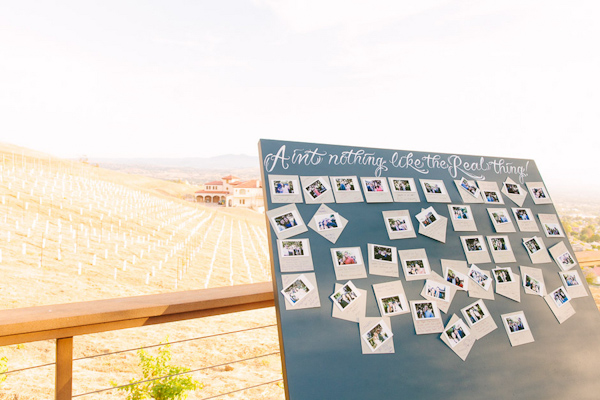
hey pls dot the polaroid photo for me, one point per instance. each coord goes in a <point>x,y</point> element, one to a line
<point>534,285</point>
<point>517,328</point>
<point>316,189</point>
<point>457,332</point>
<point>354,311</point>
<point>435,191</point>
<point>538,192</point>
<point>466,188</point>
<point>462,217</point>
<point>501,249</point>
<point>346,295</point>
<point>416,268</point>
<point>285,189</point>
<point>514,192</point>
<point>536,250</point>
<point>501,220</point>
<point>328,223</point>
<point>383,260</point>
<point>512,188</point>
<point>377,335</point>
<point>479,319</point>
<point>296,291</point>
<point>391,298</point>
<point>551,225</point>
<point>560,296</point>
<point>562,256</point>
<point>456,278</point>
<point>492,197</point>
<point>573,283</point>
<point>348,263</point>
<point>436,291</point>
<point>398,224</point>
<point>475,249</point>
<point>480,277</point>
<point>376,190</point>
<point>507,283</point>
<point>469,187</point>
<point>525,220</point>
<point>427,217</point>
<point>426,317</point>
<point>295,255</point>
<point>432,225</point>
<point>392,305</point>
<point>503,276</point>
<point>404,190</point>
<point>346,189</point>
<point>286,221</point>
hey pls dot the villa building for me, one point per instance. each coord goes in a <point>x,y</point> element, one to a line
<point>230,191</point>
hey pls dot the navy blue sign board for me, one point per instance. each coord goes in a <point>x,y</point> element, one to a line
<point>322,356</point>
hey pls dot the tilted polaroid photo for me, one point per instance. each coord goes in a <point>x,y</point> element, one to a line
<point>286,221</point>
<point>503,275</point>
<point>500,243</point>
<point>523,214</point>
<point>317,187</point>
<point>512,188</point>
<point>560,297</point>
<point>383,253</point>
<point>471,189</point>
<point>570,278</point>
<point>297,290</point>
<point>377,335</point>
<point>437,290</point>
<point>532,245</point>
<point>456,278</point>
<point>533,284</point>
<point>327,221</point>
<point>476,312</point>
<point>345,296</point>
<point>479,277</point>
<point>552,229</point>
<point>457,332</point>
<point>500,216</point>
<point>427,217</point>
<point>539,192</point>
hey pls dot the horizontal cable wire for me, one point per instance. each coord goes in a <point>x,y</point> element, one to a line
<point>241,390</point>
<point>181,373</point>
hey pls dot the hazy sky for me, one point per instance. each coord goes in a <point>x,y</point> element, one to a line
<point>202,78</point>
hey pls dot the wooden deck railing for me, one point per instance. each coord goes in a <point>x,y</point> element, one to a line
<point>64,321</point>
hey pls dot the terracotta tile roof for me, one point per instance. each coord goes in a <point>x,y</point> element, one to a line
<point>229,177</point>
<point>214,183</point>
<point>252,183</point>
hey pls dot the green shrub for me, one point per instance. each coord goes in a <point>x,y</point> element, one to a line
<point>151,386</point>
<point>3,369</point>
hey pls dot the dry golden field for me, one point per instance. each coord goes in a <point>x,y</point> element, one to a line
<point>71,232</point>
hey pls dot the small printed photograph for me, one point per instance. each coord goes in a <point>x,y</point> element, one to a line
<point>539,193</point>
<point>566,259</point>
<point>327,222</point>
<point>502,275</point>
<point>432,187</point>
<point>491,196</point>
<point>374,185</point>
<point>424,310</point>
<point>401,185</point>
<point>437,290</point>
<point>499,243</point>
<point>461,213</point>
<point>532,245</point>
<point>516,323</point>
<point>398,224</point>
<point>284,187</point>
<point>533,284</point>
<point>316,188</point>
<point>570,278</point>
<point>297,290</point>
<point>560,297</point>
<point>455,278</point>
<point>348,256</point>
<point>523,214</point>
<point>553,229</point>
<point>416,267</point>
<point>512,188</point>
<point>345,296</point>
<point>500,216</point>
<point>345,184</point>
<point>457,332</point>
<point>293,248</point>
<point>427,217</point>
<point>480,277</point>
<point>391,305</point>
<point>285,221</point>
<point>472,189</point>
<point>377,335</point>
<point>476,313</point>
<point>383,253</point>
<point>473,244</point>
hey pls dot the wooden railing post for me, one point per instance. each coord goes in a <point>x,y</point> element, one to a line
<point>63,389</point>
